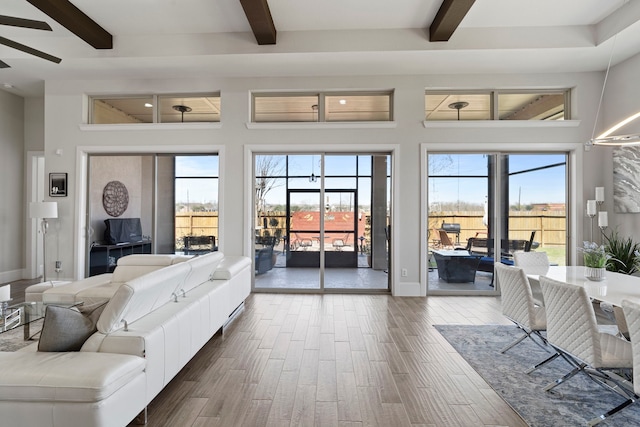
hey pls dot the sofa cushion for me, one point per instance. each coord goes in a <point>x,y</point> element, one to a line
<point>66,294</point>
<point>66,376</point>
<point>98,294</point>
<point>67,328</point>
<point>132,266</point>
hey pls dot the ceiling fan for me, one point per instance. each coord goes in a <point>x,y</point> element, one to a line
<point>25,23</point>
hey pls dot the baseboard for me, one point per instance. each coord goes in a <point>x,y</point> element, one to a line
<point>407,289</point>
<point>239,309</point>
<point>11,276</point>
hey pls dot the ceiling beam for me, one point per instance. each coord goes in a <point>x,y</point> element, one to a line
<point>74,20</point>
<point>448,18</point>
<point>260,19</point>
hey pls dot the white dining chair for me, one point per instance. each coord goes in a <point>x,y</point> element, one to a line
<point>533,263</point>
<point>519,306</point>
<point>631,310</point>
<point>573,331</point>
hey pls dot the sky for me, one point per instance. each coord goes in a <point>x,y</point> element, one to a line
<point>544,186</point>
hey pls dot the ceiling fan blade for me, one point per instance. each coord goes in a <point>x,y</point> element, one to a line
<point>24,23</point>
<point>4,65</point>
<point>29,50</point>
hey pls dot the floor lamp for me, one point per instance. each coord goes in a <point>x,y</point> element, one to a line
<point>44,211</point>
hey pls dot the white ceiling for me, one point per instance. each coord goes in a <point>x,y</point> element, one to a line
<point>165,38</point>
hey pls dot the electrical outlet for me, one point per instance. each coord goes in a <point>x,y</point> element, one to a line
<point>404,272</point>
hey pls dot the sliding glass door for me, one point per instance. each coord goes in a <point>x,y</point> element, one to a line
<point>324,218</point>
<point>482,207</point>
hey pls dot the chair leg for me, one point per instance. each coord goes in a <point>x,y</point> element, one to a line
<point>618,408</point>
<point>559,381</point>
<point>513,344</point>
<point>545,361</point>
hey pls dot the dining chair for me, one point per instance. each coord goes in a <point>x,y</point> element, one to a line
<point>573,331</point>
<point>533,263</point>
<point>631,310</point>
<point>519,306</point>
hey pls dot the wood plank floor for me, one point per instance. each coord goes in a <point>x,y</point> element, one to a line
<point>337,360</point>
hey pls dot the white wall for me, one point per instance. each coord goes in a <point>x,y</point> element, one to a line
<point>621,100</point>
<point>12,200</point>
<point>65,108</point>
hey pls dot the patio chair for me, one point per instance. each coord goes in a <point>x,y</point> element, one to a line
<point>445,241</point>
<point>573,331</point>
<point>519,306</point>
<point>303,242</point>
<point>341,242</point>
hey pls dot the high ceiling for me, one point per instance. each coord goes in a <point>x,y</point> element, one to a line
<point>168,38</point>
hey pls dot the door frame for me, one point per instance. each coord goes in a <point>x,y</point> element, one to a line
<point>575,156</point>
<point>392,150</point>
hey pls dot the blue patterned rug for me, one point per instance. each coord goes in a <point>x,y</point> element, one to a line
<point>573,403</point>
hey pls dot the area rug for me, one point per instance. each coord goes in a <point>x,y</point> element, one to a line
<point>573,403</point>
<point>13,339</point>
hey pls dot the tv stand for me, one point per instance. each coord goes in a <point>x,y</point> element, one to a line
<point>103,258</point>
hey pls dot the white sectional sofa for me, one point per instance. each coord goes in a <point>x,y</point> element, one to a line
<point>149,329</point>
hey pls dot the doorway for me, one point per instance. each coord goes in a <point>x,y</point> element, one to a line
<point>484,204</point>
<point>319,219</point>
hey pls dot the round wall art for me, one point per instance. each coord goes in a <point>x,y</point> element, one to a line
<point>115,198</point>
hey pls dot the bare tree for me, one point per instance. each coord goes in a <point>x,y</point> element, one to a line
<point>268,170</point>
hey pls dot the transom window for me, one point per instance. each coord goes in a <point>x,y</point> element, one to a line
<point>322,107</point>
<point>497,105</point>
<point>190,108</point>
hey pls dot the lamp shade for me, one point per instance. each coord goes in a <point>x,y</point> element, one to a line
<point>5,293</point>
<point>43,210</point>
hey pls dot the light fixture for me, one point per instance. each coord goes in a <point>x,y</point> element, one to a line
<point>605,138</point>
<point>148,104</point>
<point>313,177</point>
<point>43,211</point>
<point>183,109</point>
<point>459,105</point>
<point>343,102</point>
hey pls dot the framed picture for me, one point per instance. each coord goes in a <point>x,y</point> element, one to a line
<point>58,184</point>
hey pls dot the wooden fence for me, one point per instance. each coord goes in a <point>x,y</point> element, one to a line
<point>550,226</point>
<point>195,224</point>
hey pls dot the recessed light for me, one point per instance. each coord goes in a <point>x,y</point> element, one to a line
<point>148,105</point>
<point>343,101</point>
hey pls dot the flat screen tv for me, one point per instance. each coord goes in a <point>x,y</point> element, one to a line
<point>122,230</point>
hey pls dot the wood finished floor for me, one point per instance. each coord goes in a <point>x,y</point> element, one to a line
<point>337,360</point>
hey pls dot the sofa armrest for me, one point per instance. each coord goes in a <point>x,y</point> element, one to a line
<point>231,266</point>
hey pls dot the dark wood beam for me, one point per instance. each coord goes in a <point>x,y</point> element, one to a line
<point>74,20</point>
<point>448,18</point>
<point>259,17</point>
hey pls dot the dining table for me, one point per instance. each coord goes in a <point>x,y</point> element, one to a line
<point>613,289</point>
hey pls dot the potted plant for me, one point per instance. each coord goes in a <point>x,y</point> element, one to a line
<point>623,254</point>
<point>595,260</point>
<point>366,249</point>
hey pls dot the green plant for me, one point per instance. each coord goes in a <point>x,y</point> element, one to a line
<point>595,256</point>
<point>623,254</point>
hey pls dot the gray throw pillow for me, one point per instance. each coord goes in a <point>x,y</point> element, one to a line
<point>66,329</point>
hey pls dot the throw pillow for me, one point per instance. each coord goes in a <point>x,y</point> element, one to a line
<point>67,328</point>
